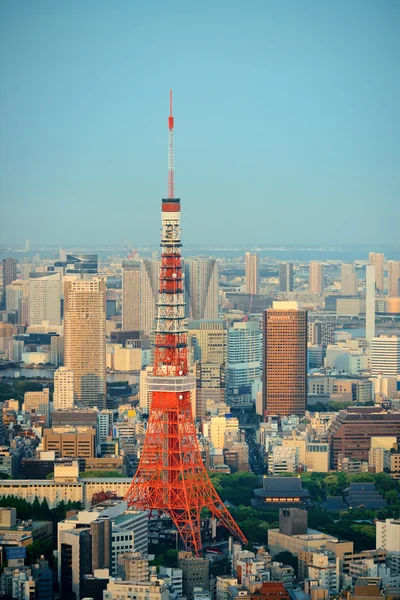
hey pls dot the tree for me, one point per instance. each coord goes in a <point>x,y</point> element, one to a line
<point>391,497</point>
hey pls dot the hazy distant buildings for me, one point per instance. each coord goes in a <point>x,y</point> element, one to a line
<point>285,359</point>
<point>252,273</point>
<point>85,339</point>
<point>286,277</point>
<point>63,396</point>
<point>202,288</point>
<point>9,274</point>
<point>17,299</point>
<point>316,281</point>
<point>378,261</point>
<point>370,303</point>
<point>394,278</point>
<point>131,295</point>
<point>149,284</point>
<point>78,264</point>
<point>44,298</point>
<point>349,280</point>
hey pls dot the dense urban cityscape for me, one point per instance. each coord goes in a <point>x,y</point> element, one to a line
<point>195,422</point>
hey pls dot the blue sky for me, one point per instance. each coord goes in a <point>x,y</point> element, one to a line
<point>287,120</point>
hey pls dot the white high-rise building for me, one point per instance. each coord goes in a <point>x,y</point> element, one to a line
<point>370,304</point>
<point>149,283</point>
<point>316,282</point>
<point>385,355</point>
<point>378,261</point>
<point>202,288</point>
<point>252,273</point>
<point>104,424</point>
<point>349,280</point>
<point>388,535</point>
<point>15,291</point>
<point>63,397</point>
<point>44,299</point>
<point>244,355</point>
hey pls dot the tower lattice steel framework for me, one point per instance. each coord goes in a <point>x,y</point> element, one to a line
<point>171,477</point>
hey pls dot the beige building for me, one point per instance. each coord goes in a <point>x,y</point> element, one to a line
<point>378,260</point>
<point>70,442</point>
<point>252,273</point>
<point>63,397</point>
<point>37,403</point>
<point>143,590</point>
<point>85,339</point>
<point>123,359</point>
<point>393,278</point>
<point>131,296</point>
<point>220,427</point>
<point>133,566</point>
<point>65,486</point>
<point>312,540</point>
<point>209,339</point>
<point>349,280</point>
<point>316,282</point>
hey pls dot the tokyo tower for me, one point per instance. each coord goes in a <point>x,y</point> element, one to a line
<point>171,477</point>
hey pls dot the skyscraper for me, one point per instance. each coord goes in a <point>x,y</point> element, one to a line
<point>44,298</point>
<point>131,296</point>
<point>252,274</point>
<point>370,304</point>
<point>285,359</point>
<point>244,355</point>
<point>378,260</point>
<point>149,276</point>
<point>202,288</point>
<point>63,397</point>
<point>9,274</point>
<point>349,280</point>
<point>394,278</point>
<point>316,281</point>
<point>85,339</point>
<point>286,277</point>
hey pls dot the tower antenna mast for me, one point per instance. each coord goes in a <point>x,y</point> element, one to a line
<point>171,177</point>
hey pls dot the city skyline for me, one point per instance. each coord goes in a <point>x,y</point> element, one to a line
<point>82,120</point>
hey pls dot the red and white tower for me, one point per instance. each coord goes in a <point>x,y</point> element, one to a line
<point>171,477</point>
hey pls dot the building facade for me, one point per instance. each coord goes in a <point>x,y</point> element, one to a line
<point>285,359</point>
<point>252,274</point>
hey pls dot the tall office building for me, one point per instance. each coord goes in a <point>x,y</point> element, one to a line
<point>286,277</point>
<point>15,291</point>
<point>149,283</point>
<point>63,396</point>
<point>321,333</point>
<point>385,355</point>
<point>85,339</point>
<point>209,339</point>
<point>349,280</point>
<point>316,281</point>
<point>285,359</point>
<point>378,260</point>
<point>394,278</point>
<point>44,298</point>
<point>9,274</point>
<point>202,288</point>
<point>244,355</point>
<point>370,304</point>
<point>252,274</point>
<point>131,296</point>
